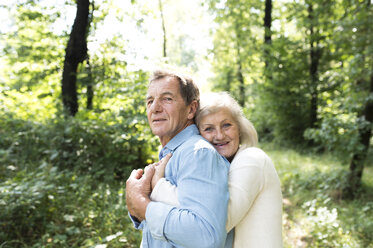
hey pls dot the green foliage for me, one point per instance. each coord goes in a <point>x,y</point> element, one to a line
<point>47,207</point>
<point>104,147</point>
<point>337,134</point>
<point>237,42</point>
<point>33,48</point>
<point>285,100</point>
<point>315,215</point>
<point>341,117</point>
<point>62,180</point>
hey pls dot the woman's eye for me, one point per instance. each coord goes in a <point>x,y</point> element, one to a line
<point>208,129</point>
<point>227,125</point>
<point>149,102</point>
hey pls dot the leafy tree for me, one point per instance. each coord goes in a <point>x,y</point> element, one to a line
<point>345,125</point>
<point>363,56</point>
<point>235,40</point>
<point>32,47</point>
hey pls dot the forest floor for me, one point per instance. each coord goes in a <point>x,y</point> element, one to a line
<point>314,211</point>
<point>44,207</point>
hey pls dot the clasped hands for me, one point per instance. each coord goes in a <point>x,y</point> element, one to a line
<point>140,184</point>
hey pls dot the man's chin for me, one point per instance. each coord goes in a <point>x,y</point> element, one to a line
<point>157,132</point>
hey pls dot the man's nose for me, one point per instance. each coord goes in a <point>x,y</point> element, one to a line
<point>156,106</point>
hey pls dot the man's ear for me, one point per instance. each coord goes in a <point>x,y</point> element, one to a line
<point>192,109</point>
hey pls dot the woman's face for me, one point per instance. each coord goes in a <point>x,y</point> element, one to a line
<point>222,132</point>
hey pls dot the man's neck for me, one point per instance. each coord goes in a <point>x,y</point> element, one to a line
<point>164,140</point>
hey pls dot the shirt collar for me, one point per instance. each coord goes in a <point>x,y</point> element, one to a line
<point>176,141</point>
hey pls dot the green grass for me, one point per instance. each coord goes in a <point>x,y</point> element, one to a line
<point>315,214</point>
<point>45,207</point>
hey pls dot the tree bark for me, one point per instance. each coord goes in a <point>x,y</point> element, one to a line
<point>240,77</point>
<point>242,83</point>
<point>76,52</point>
<point>164,29</point>
<point>267,22</point>
<point>365,130</point>
<point>315,60</point>
<point>267,37</point>
<point>90,92</point>
<point>358,159</point>
<point>229,80</point>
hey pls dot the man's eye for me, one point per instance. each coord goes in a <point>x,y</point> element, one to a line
<point>149,102</point>
<point>168,99</point>
<point>208,129</point>
<point>227,125</point>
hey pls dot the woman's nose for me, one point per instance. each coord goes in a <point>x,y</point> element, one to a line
<point>219,134</point>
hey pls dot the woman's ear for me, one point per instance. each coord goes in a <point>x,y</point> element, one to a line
<point>192,109</point>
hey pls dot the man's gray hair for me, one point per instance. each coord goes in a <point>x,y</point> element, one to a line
<point>188,89</point>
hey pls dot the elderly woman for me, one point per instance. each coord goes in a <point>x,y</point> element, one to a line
<point>255,205</point>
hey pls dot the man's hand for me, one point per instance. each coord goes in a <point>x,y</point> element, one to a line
<point>159,169</point>
<point>138,189</point>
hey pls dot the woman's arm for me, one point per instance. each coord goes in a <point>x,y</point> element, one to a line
<point>163,190</point>
<point>246,180</point>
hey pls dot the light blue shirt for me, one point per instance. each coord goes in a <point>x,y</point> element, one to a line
<point>201,176</point>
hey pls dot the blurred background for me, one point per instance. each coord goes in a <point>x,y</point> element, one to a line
<point>73,79</point>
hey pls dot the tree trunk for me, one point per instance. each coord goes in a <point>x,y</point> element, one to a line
<point>268,22</point>
<point>240,77</point>
<point>90,92</point>
<point>267,37</point>
<point>164,29</point>
<point>242,83</point>
<point>358,159</point>
<point>76,52</point>
<point>229,80</point>
<point>315,59</point>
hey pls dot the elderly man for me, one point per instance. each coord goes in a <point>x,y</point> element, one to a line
<point>195,167</point>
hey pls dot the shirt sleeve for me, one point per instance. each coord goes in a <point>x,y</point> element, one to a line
<point>137,224</point>
<point>203,195</point>
<point>165,192</point>
<point>246,180</point>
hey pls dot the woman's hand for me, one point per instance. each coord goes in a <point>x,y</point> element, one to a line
<point>159,169</point>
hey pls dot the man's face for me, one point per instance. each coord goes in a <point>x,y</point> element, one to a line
<point>166,109</point>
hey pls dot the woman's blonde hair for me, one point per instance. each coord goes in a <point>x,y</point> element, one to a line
<point>213,102</point>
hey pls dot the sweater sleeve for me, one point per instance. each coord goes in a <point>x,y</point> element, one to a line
<point>246,180</point>
<point>165,192</point>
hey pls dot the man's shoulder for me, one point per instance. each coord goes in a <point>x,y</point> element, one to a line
<point>197,142</point>
<point>197,149</point>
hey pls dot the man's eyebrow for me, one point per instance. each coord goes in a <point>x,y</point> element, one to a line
<point>162,94</point>
<point>167,93</point>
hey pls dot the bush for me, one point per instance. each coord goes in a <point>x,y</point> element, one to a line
<point>51,208</point>
<point>104,148</point>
